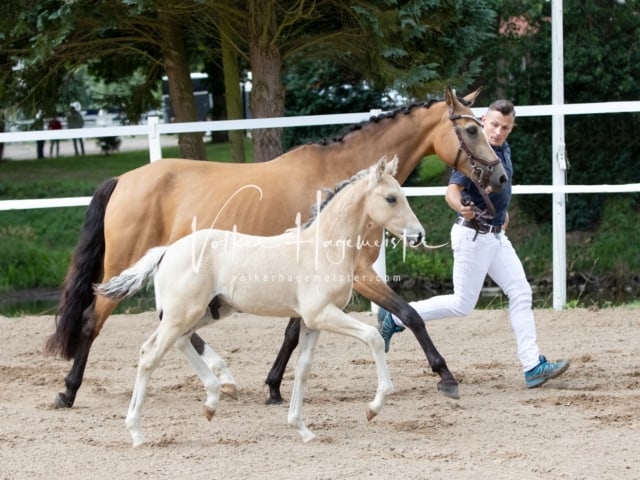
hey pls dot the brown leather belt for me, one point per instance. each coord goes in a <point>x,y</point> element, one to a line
<point>479,226</point>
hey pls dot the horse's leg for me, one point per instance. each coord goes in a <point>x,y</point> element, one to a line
<point>209,380</point>
<point>75,318</point>
<point>379,292</point>
<point>332,319</point>
<point>274,378</point>
<point>93,319</point>
<point>309,340</point>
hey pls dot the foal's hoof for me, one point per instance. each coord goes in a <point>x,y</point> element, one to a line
<point>229,389</point>
<point>61,401</point>
<point>370,414</point>
<point>208,413</point>
<point>449,389</point>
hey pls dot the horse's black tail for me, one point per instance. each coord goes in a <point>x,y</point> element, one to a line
<point>86,268</point>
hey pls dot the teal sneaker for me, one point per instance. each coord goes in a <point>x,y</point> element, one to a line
<point>387,327</point>
<point>544,371</point>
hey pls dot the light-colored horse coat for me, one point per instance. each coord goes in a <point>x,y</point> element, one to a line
<point>304,272</point>
<point>155,204</point>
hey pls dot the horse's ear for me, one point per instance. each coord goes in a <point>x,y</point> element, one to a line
<point>450,97</point>
<point>392,166</point>
<point>472,96</point>
<point>452,100</point>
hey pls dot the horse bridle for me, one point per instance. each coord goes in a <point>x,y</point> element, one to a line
<point>478,172</point>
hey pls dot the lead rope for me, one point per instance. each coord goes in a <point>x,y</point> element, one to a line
<point>480,219</point>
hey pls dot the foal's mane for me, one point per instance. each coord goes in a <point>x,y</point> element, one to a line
<point>330,194</point>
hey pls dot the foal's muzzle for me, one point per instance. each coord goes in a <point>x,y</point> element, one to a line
<point>413,237</point>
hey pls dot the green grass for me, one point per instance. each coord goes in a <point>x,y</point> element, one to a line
<point>36,245</point>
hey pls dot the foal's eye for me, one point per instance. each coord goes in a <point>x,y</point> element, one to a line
<point>391,199</point>
<point>472,130</point>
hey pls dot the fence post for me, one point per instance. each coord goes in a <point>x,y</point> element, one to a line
<point>155,151</point>
<point>558,160</point>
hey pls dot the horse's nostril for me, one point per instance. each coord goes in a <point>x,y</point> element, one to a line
<point>503,179</point>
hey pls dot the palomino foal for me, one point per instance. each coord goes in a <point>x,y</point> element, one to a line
<point>310,274</point>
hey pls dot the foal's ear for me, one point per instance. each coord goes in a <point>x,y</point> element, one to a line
<point>392,166</point>
<point>380,168</point>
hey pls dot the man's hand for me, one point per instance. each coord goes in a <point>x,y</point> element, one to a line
<point>468,211</point>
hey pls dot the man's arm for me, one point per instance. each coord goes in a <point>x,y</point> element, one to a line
<point>453,197</point>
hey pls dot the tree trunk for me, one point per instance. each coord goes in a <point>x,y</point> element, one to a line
<point>233,101</point>
<point>176,66</point>
<point>267,93</point>
<point>2,126</point>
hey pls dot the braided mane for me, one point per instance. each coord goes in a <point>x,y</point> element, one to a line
<point>405,110</point>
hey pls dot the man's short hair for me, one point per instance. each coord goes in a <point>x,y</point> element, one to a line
<point>505,107</point>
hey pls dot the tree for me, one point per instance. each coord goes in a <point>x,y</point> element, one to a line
<point>417,46</point>
<point>113,39</point>
<point>319,87</point>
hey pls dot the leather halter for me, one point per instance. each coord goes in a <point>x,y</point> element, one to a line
<point>478,172</point>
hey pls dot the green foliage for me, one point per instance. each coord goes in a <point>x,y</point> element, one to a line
<point>612,250</point>
<point>435,263</point>
<point>321,88</point>
<point>602,63</point>
<point>426,44</point>
<point>27,266</point>
<point>435,215</point>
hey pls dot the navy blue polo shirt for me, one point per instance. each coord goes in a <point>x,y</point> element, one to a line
<point>500,200</point>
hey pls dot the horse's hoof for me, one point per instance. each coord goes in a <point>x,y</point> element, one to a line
<point>449,389</point>
<point>229,389</point>
<point>208,413</point>
<point>62,402</point>
<point>272,400</point>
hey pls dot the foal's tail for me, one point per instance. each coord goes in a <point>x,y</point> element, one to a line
<point>133,278</point>
<point>86,268</point>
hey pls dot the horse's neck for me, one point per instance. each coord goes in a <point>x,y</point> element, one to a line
<point>407,135</point>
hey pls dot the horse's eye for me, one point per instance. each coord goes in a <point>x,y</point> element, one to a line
<point>391,199</point>
<point>472,130</point>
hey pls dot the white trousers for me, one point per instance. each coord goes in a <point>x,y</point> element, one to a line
<point>489,254</point>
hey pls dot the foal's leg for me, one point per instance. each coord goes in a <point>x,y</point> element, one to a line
<point>309,340</point>
<point>335,320</point>
<point>215,363</point>
<point>209,380</point>
<point>332,319</point>
<point>151,354</point>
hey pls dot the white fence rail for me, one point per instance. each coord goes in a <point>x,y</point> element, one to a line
<point>153,130</point>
